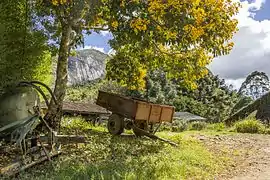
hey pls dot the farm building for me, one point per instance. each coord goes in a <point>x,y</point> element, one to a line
<point>186,116</point>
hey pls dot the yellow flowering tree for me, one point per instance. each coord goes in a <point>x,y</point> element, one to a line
<point>180,37</point>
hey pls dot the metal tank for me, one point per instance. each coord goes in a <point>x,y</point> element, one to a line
<point>17,104</point>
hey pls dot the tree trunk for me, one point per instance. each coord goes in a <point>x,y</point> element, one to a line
<point>54,114</point>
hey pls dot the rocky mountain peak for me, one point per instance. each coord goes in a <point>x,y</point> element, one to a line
<point>87,65</point>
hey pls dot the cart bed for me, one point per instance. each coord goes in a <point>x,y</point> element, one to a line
<point>135,109</point>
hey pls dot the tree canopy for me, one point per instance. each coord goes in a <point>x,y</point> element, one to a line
<point>181,37</point>
<point>24,54</point>
<point>255,85</point>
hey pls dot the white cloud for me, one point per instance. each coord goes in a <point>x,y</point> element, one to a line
<point>104,33</point>
<point>111,52</point>
<point>101,49</point>
<point>252,47</point>
<point>235,82</point>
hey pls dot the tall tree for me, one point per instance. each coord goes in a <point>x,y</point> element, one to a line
<point>255,85</point>
<point>158,89</point>
<point>175,35</point>
<point>24,54</point>
<point>212,98</point>
<point>217,97</point>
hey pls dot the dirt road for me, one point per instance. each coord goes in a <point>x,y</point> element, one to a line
<point>250,155</point>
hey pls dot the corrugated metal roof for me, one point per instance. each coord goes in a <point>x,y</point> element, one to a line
<point>81,108</point>
<point>188,116</point>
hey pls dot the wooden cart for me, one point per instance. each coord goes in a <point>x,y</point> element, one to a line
<point>129,113</point>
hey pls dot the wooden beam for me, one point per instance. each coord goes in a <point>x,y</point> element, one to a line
<point>66,139</point>
<point>152,136</point>
<point>15,168</point>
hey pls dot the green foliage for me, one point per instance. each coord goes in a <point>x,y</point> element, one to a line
<point>158,89</point>
<point>267,131</point>
<point>179,126</point>
<point>243,101</point>
<point>82,93</point>
<point>23,51</point>
<point>73,124</point>
<point>216,126</point>
<point>212,99</point>
<point>197,125</point>
<point>184,103</point>
<point>89,92</point>
<point>249,126</point>
<point>42,70</point>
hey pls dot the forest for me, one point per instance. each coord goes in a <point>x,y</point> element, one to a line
<point>162,52</point>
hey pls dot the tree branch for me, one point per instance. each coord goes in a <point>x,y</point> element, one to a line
<point>96,28</point>
<point>167,52</point>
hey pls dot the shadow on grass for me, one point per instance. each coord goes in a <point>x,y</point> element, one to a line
<point>104,157</point>
<point>127,157</point>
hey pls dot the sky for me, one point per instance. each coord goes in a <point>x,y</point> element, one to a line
<point>251,51</point>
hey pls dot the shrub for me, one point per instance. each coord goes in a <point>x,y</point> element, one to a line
<point>249,126</point>
<point>179,126</point>
<point>197,125</point>
<point>216,126</point>
<point>165,127</point>
<point>267,131</point>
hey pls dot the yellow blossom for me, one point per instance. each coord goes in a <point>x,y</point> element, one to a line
<point>58,2</point>
<point>139,24</point>
<point>114,24</point>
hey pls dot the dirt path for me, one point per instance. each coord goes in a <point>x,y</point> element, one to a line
<point>250,155</point>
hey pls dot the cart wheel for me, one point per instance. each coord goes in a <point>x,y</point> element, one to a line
<point>142,125</point>
<point>115,124</point>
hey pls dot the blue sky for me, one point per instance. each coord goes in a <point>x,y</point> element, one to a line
<point>252,44</point>
<point>264,12</point>
<point>98,40</point>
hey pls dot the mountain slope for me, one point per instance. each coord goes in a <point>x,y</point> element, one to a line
<point>87,65</point>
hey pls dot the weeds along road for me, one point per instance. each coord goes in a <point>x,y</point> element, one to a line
<point>250,154</point>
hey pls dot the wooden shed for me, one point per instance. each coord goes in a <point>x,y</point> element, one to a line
<point>83,109</point>
<point>186,116</point>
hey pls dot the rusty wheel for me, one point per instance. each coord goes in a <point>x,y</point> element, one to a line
<point>142,125</point>
<point>115,124</point>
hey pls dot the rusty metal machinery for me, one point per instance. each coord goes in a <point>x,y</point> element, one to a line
<point>20,137</point>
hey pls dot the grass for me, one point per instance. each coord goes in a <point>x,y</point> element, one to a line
<point>249,126</point>
<point>216,127</point>
<point>127,157</point>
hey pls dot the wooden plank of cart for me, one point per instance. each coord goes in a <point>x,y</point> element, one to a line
<point>138,115</point>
